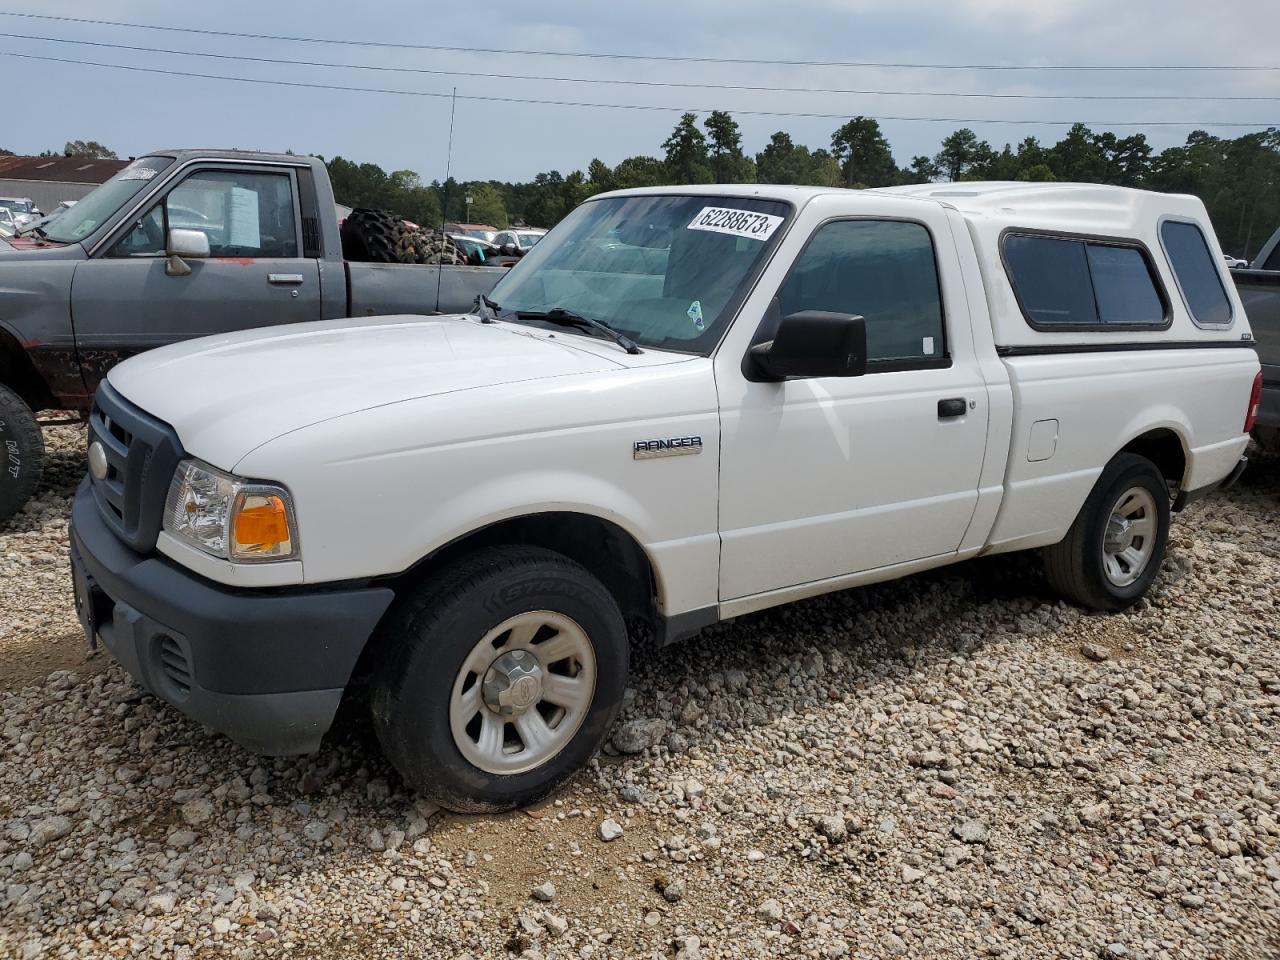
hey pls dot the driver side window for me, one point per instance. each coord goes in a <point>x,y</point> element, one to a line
<point>883,270</point>
<point>243,214</point>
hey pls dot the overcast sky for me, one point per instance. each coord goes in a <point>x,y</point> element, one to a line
<point>46,104</point>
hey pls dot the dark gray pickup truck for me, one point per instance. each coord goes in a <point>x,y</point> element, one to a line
<point>1259,287</point>
<point>182,244</point>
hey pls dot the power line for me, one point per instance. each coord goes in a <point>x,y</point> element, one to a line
<point>635,56</point>
<point>634,83</point>
<point>620,106</point>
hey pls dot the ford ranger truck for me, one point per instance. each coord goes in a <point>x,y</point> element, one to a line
<point>177,245</point>
<point>683,405</point>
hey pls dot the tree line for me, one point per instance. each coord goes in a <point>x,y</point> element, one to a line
<point>1238,179</point>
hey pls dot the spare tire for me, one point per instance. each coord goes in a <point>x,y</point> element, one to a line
<point>371,236</point>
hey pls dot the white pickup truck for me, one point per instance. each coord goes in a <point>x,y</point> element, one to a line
<point>683,405</point>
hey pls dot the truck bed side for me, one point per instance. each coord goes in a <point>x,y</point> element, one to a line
<point>390,288</point>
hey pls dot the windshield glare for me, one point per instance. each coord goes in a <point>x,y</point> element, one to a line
<point>668,271</point>
<point>102,202</point>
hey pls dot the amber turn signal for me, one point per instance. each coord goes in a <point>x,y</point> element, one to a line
<point>261,527</point>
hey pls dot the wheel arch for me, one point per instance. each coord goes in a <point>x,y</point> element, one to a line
<point>1166,446</point>
<point>19,374</point>
<point>606,549</point>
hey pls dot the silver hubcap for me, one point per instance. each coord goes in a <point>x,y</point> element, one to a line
<point>1130,539</point>
<point>522,692</point>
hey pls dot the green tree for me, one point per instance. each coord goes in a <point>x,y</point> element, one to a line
<point>88,148</point>
<point>487,205</point>
<point>640,171</point>
<point>863,154</point>
<point>922,170</point>
<point>964,155</point>
<point>782,161</point>
<point>1078,157</point>
<point>728,163</point>
<point>824,169</point>
<point>600,176</point>
<point>6,153</point>
<point>686,150</point>
<point>1040,172</point>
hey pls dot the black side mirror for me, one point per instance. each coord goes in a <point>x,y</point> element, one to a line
<point>813,343</point>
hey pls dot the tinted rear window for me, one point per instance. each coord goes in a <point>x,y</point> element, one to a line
<point>1064,282</point>
<point>1197,274</point>
<point>1051,278</point>
<point>1123,286</point>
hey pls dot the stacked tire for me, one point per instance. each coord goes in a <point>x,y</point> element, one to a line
<point>377,236</point>
<point>371,236</point>
<point>427,246</point>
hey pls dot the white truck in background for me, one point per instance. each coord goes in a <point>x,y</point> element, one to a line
<point>683,405</point>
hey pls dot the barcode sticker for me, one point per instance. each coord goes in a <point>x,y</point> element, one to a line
<point>736,223</point>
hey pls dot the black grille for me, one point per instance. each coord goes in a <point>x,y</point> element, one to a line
<point>174,664</point>
<point>141,454</point>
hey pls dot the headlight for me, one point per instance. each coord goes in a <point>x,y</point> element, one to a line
<point>228,517</point>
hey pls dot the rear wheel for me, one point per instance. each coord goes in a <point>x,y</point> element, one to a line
<point>1113,551</point>
<point>21,453</point>
<point>504,678</point>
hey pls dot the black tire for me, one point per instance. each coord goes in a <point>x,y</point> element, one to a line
<point>21,453</point>
<point>371,236</point>
<point>428,641</point>
<point>1075,566</point>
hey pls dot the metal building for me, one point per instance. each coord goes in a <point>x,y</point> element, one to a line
<point>50,180</point>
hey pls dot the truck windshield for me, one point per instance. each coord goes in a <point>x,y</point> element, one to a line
<point>102,202</point>
<point>668,271</point>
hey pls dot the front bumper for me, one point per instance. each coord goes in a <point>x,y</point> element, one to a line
<point>265,667</point>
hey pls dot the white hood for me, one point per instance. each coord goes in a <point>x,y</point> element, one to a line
<point>226,395</point>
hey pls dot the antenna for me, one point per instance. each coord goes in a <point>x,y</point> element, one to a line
<point>444,206</point>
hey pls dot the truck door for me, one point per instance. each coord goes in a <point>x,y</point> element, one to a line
<point>821,478</point>
<point>124,301</point>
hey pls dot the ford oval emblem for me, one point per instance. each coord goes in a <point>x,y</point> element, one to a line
<point>97,460</point>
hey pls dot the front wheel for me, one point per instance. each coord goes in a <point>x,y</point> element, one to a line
<point>1113,551</point>
<point>502,679</point>
<point>21,453</point>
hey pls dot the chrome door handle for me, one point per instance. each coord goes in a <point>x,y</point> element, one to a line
<point>285,279</point>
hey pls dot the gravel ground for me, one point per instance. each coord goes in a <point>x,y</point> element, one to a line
<point>953,765</point>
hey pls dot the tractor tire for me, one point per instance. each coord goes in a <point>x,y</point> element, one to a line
<point>371,236</point>
<point>427,247</point>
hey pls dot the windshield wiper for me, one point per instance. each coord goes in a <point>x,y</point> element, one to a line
<point>570,319</point>
<point>486,308</point>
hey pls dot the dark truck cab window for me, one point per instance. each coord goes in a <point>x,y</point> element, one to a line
<point>1196,272</point>
<point>884,271</point>
<point>1075,283</point>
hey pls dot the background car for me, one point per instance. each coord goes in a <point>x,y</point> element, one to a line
<point>22,210</point>
<point>522,239</point>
